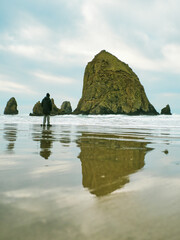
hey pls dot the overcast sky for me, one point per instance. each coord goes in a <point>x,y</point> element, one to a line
<point>45,46</point>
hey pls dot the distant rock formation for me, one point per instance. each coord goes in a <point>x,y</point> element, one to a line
<point>37,110</point>
<point>55,109</point>
<point>66,107</point>
<point>11,107</point>
<point>166,110</point>
<point>111,87</point>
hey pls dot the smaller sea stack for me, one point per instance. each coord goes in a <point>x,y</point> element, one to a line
<point>11,107</point>
<point>166,110</point>
<point>66,107</point>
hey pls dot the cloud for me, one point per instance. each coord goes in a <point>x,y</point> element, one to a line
<point>94,31</point>
<point>170,95</point>
<point>34,52</point>
<point>34,33</point>
<point>101,32</point>
<point>171,53</point>
<point>13,87</point>
<point>30,39</point>
<point>24,50</point>
<point>53,79</point>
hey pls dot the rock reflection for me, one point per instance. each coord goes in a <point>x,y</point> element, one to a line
<point>108,160</point>
<point>65,137</point>
<point>10,134</point>
<point>46,142</point>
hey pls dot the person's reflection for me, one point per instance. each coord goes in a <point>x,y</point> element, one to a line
<point>46,142</point>
<point>107,161</point>
<point>10,134</point>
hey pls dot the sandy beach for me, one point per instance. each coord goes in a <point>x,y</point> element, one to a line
<point>88,182</point>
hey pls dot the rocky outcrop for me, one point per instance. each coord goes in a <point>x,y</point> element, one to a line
<point>55,109</point>
<point>111,87</point>
<point>11,107</point>
<point>166,110</point>
<point>37,110</point>
<point>66,107</point>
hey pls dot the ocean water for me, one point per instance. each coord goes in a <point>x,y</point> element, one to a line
<point>112,123</point>
<point>90,177</point>
<point>157,128</point>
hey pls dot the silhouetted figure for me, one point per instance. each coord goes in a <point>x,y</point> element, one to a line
<point>47,108</point>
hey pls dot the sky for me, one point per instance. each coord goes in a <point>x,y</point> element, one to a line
<point>46,45</point>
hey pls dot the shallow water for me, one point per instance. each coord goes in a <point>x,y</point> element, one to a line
<point>90,177</point>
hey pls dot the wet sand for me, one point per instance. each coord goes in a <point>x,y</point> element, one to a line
<point>74,182</point>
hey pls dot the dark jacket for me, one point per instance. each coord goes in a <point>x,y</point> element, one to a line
<point>46,105</point>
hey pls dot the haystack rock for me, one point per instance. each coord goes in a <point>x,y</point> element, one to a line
<point>66,107</point>
<point>111,87</point>
<point>11,107</point>
<point>166,110</point>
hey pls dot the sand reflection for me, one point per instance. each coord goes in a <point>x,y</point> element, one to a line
<point>10,135</point>
<point>48,136</point>
<point>46,142</point>
<point>65,137</point>
<point>108,160</point>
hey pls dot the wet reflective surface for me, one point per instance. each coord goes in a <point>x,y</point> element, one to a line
<point>46,141</point>
<point>108,160</point>
<point>79,182</point>
<point>10,135</point>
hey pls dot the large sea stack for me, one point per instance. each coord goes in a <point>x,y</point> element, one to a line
<point>11,107</point>
<point>111,87</point>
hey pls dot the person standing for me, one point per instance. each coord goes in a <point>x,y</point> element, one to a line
<point>47,108</point>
